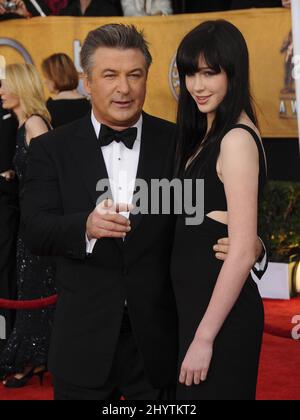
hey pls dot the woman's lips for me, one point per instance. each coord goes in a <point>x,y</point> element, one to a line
<point>202,100</point>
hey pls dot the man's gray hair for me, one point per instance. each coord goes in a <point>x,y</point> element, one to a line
<point>113,36</point>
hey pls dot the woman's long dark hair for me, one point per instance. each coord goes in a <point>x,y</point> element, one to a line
<point>223,47</point>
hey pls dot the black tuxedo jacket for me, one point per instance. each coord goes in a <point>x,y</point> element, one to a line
<point>60,192</point>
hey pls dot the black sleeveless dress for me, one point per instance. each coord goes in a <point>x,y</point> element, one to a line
<point>65,111</point>
<point>195,270</point>
<point>28,343</point>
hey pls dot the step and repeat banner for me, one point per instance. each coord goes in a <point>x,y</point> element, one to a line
<point>267,31</point>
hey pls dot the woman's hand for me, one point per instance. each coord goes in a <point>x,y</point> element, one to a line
<point>8,175</point>
<point>195,366</point>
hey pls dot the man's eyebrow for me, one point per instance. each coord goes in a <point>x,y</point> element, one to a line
<point>137,69</point>
<point>108,69</point>
<point>114,71</point>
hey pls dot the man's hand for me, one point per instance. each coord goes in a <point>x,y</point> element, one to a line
<point>106,222</point>
<point>222,249</point>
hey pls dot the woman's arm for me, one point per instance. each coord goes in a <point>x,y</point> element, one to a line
<point>239,163</point>
<point>35,126</point>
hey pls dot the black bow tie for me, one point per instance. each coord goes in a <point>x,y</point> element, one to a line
<point>108,135</point>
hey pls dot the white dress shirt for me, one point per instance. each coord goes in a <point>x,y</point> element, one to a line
<point>121,165</point>
<point>261,265</point>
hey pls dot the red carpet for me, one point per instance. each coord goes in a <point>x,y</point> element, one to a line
<point>33,391</point>
<point>279,315</point>
<point>279,376</point>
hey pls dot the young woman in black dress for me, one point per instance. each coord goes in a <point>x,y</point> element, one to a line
<point>221,317</point>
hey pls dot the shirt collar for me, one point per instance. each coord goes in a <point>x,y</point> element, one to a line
<point>138,125</point>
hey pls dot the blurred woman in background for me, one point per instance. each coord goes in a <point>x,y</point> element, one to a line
<point>9,220</point>
<point>61,78</point>
<point>27,349</point>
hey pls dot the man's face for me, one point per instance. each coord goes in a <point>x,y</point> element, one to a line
<point>117,85</point>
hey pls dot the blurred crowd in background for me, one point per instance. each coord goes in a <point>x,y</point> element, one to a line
<point>14,9</point>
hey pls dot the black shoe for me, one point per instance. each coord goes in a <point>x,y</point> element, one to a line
<point>19,383</point>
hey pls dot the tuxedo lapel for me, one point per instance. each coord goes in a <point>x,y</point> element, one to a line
<point>86,151</point>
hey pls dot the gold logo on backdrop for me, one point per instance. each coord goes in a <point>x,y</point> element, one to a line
<point>7,42</point>
<point>174,78</point>
<point>287,99</point>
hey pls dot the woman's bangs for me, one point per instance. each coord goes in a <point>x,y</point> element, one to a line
<point>192,50</point>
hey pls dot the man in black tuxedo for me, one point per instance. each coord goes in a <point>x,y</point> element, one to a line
<point>115,330</point>
<point>8,214</point>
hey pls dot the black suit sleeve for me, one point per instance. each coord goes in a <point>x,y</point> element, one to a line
<point>48,232</point>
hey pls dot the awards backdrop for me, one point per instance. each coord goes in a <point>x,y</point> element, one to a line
<point>267,32</point>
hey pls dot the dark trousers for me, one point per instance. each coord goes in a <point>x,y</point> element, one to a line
<point>127,377</point>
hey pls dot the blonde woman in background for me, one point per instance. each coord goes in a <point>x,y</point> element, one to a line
<point>146,7</point>
<point>26,352</point>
